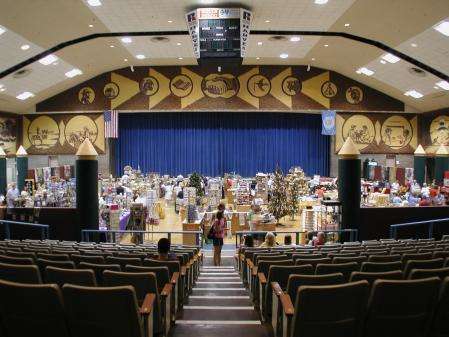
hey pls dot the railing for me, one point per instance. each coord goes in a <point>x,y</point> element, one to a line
<point>44,229</point>
<point>111,235</point>
<point>429,223</point>
<point>353,233</point>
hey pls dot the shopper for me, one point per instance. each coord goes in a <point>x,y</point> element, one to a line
<point>219,227</point>
<point>270,241</point>
<point>288,240</point>
<point>163,250</point>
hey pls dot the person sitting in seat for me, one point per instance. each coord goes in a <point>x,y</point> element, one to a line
<point>288,240</point>
<point>163,249</point>
<point>270,241</point>
<point>319,240</point>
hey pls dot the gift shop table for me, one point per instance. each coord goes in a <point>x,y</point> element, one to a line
<point>375,221</point>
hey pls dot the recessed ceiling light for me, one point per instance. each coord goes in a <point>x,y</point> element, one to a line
<point>391,58</point>
<point>91,26</point>
<point>94,3</point>
<point>2,30</point>
<point>267,21</point>
<point>170,21</point>
<point>25,95</point>
<point>74,72</point>
<point>321,2</point>
<point>295,39</point>
<point>326,45</point>
<point>383,61</point>
<point>179,43</point>
<point>442,27</point>
<point>180,58</point>
<point>112,46</point>
<point>443,85</point>
<point>283,56</point>
<point>259,43</point>
<point>25,47</point>
<point>313,59</point>
<point>347,24</point>
<point>49,59</point>
<point>365,71</point>
<point>414,45</point>
<point>435,87</point>
<point>126,60</point>
<point>127,39</point>
<point>140,56</point>
<point>2,89</point>
<point>257,58</point>
<point>413,93</point>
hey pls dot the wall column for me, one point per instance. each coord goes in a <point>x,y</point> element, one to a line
<point>3,187</point>
<point>349,174</point>
<point>22,167</point>
<point>441,163</point>
<point>419,165</point>
<point>87,185</point>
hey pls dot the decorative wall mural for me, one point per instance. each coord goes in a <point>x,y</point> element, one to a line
<point>271,88</point>
<point>8,133</point>
<point>62,133</point>
<point>434,129</point>
<point>439,130</point>
<point>378,133</point>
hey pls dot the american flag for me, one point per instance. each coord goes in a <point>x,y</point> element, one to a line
<point>111,124</point>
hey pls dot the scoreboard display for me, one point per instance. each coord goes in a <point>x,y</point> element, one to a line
<point>219,32</point>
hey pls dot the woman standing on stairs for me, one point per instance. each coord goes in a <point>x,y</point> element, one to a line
<point>219,232</point>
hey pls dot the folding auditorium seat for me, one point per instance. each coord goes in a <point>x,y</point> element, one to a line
<point>69,252</point>
<point>401,308</point>
<point>123,261</point>
<point>313,262</point>
<point>303,256</point>
<point>107,311</point>
<point>29,274</point>
<point>422,264</point>
<point>87,258</point>
<point>260,286</point>
<point>16,260</point>
<point>416,256</point>
<point>98,269</point>
<point>344,254</point>
<point>282,300</point>
<point>331,268</point>
<point>252,265</point>
<point>277,280</point>
<point>60,276</point>
<point>36,250</point>
<point>385,258</point>
<point>32,310</point>
<point>440,327</point>
<point>146,283</point>
<point>370,252</point>
<point>380,267</point>
<point>416,274</point>
<point>331,311</point>
<point>441,254</point>
<point>30,255</point>
<point>140,256</point>
<point>42,264</point>
<point>402,251</point>
<point>53,257</point>
<point>371,277</point>
<point>344,259</point>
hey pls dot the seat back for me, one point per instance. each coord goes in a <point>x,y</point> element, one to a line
<point>441,254</point>
<point>60,276</point>
<point>16,260</point>
<point>277,257</point>
<point>422,264</point>
<point>384,258</point>
<point>304,256</point>
<point>30,255</point>
<point>162,274</point>
<point>415,256</point>
<point>333,310</point>
<point>98,269</point>
<point>102,311</point>
<point>32,309</point>
<point>42,264</point>
<point>53,257</point>
<point>296,281</point>
<point>143,283</point>
<point>441,317</point>
<point>380,267</point>
<point>371,277</point>
<point>173,266</point>
<point>313,262</point>
<point>29,274</point>
<point>401,307</point>
<point>357,259</point>
<point>123,261</point>
<point>264,266</point>
<point>96,259</point>
<point>330,268</point>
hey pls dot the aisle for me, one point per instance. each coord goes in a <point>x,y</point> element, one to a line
<point>219,305</point>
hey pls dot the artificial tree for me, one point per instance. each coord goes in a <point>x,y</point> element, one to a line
<point>195,181</point>
<point>278,205</point>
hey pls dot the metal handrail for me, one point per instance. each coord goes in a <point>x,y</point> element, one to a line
<point>429,223</point>
<point>43,228</point>
<point>86,233</point>
<point>353,233</point>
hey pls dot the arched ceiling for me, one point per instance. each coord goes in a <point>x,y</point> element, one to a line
<point>405,25</point>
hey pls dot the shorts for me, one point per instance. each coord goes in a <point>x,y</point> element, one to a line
<point>218,241</point>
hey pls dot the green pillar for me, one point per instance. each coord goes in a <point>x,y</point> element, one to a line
<point>349,174</point>
<point>441,164</point>
<point>87,185</point>
<point>22,167</point>
<point>419,165</point>
<point>3,187</point>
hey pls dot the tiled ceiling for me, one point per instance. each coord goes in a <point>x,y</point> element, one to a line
<point>42,24</point>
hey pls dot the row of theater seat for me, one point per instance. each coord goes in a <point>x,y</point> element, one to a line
<point>94,272</point>
<point>275,277</point>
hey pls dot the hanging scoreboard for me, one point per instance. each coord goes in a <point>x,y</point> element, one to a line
<point>219,32</point>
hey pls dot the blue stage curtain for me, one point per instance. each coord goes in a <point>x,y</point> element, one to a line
<point>213,143</point>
